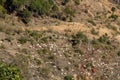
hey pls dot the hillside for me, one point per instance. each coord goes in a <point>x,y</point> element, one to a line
<point>59,40</point>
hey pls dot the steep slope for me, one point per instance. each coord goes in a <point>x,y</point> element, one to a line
<point>43,55</point>
<point>83,43</point>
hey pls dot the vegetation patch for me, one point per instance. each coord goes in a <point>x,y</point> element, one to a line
<point>118,53</point>
<point>94,32</point>
<point>77,2</point>
<point>77,38</point>
<point>9,72</point>
<point>103,39</point>
<point>22,40</point>
<point>68,77</point>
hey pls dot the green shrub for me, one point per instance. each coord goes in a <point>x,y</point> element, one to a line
<point>42,7</point>
<point>12,5</point>
<point>1,28</point>
<point>77,2</point>
<point>35,35</point>
<point>2,46</point>
<point>18,3</point>
<point>2,9</point>
<point>94,41</point>
<point>92,22</point>
<point>51,2</point>
<point>64,2</point>
<point>113,9</point>
<point>24,15</point>
<point>9,73</point>
<point>79,51</point>
<point>113,16</point>
<point>38,61</point>
<point>118,53</point>
<point>69,11</point>
<point>88,65</point>
<point>81,36</point>
<point>26,20</point>
<point>22,40</point>
<point>103,39</point>
<point>55,8</point>
<point>78,37</point>
<point>24,50</point>
<point>68,78</point>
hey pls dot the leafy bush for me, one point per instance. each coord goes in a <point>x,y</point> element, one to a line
<point>103,39</point>
<point>2,10</point>
<point>22,40</point>
<point>69,11</point>
<point>2,46</point>
<point>78,37</point>
<point>42,7</point>
<point>79,51</point>
<point>35,35</point>
<point>92,22</point>
<point>68,78</point>
<point>25,15</point>
<point>55,8</point>
<point>94,41</point>
<point>113,9</point>
<point>113,16</point>
<point>65,2</point>
<point>81,36</point>
<point>77,2</point>
<point>9,73</point>
<point>118,53</point>
<point>12,5</point>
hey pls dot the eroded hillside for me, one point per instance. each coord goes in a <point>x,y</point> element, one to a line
<point>79,41</point>
<point>43,55</point>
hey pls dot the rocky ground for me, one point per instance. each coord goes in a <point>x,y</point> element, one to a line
<point>50,55</point>
<point>50,49</point>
